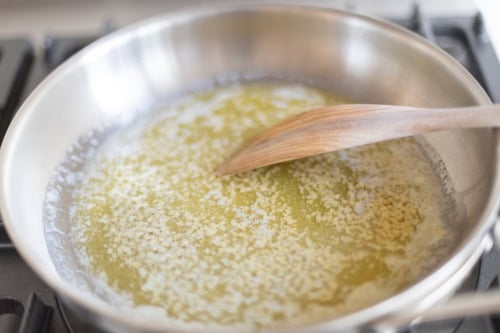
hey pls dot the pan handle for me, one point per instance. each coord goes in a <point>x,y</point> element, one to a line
<point>464,305</point>
<point>459,306</point>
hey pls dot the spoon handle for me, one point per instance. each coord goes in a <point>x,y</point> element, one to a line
<point>338,127</point>
<point>423,120</point>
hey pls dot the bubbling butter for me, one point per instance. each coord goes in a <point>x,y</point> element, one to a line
<point>291,243</point>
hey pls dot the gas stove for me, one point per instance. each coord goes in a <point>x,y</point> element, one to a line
<point>28,305</point>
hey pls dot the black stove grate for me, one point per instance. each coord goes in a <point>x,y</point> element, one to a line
<point>15,58</point>
<point>31,307</point>
<point>466,40</point>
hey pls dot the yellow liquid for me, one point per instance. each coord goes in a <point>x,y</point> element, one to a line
<point>289,243</point>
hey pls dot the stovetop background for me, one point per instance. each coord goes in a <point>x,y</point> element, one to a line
<point>39,17</point>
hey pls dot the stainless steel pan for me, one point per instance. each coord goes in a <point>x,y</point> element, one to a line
<point>138,68</point>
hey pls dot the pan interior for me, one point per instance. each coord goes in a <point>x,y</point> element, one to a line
<point>353,260</point>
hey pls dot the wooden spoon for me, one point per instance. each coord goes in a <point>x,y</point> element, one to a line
<point>338,127</point>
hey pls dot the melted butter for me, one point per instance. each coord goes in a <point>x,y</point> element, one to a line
<point>294,242</point>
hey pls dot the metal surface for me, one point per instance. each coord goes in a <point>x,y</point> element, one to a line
<point>139,67</point>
